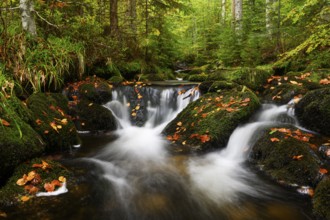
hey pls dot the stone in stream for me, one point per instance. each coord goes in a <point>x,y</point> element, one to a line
<point>321,200</point>
<point>209,121</point>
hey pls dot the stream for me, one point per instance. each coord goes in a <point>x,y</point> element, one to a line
<point>133,174</point>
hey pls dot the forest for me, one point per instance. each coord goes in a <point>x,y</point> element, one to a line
<point>149,109</point>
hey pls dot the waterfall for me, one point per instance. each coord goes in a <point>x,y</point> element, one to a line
<point>150,183</point>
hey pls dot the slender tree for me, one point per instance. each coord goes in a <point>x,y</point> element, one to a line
<point>114,29</point>
<point>27,16</point>
<point>237,12</point>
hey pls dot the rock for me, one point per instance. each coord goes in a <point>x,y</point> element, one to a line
<point>325,152</point>
<point>217,86</point>
<point>209,121</point>
<point>18,141</point>
<point>321,199</point>
<point>313,111</point>
<point>198,77</point>
<point>11,193</point>
<point>52,122</point>
<point>93,117</point>
<point>286,158</point>
<point>97,91</point>
<point>283,94</point>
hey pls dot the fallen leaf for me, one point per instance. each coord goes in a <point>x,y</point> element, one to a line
<point>64,121</point>
<point>246,100</point>
<point>25,198</point>
<point>293,82</point>
<point>179,124</point>
<point>274,140</point>
<point>31,189</point>
<point>49,187</point>
<point>5,123</point>
<point>46,132</point>
<point>56,183</point>
<point>43,165</point>
<point>22,181</point>
<point>31,175</point>
<point>90,104</point>
<point>62,179</point>
<point>137,107</point>
<point>3,214</point>
<point>134,114</point>
<point>323,171</point>
<point>184,143</point>
<point>54,126</point>
<point>38,121</point>
<point>204,138</point>
<point>204,115</point>
<point>311,192</point>
<point>298,157</point>
<point>230,109</point>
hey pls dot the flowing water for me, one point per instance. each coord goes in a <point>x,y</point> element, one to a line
<point>134,175</point>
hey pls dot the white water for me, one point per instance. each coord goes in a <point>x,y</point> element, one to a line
<point>139,151</point>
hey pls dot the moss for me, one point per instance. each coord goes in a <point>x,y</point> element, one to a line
<point>18,141</point>
<point>313,110</point>
<point>97,91</point>
<point>321,199</point>
<point>217,86</point>
<point>198,78</point>
<point>277,159</point>
<point>94,117</point>
<point>116,79</point>
<point>48,112</point>
<point>153,77</point>
<point>283,93</point>
<point>10,194</point>
<point>214,116</point>
<point>251,77</point>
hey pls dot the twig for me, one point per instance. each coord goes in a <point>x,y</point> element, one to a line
<point>45,20</point>
<point>7,9</point>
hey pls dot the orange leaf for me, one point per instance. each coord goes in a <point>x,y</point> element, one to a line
<point>22,181</point>
<point>25,198</point>
<point>230,109</point>
<point>204,138</point>
<point>5,123</point>
<point>246,100</point>
<point>274,140</point>
<point>298,157</point>
<point>44,165</point>
<point>46,132</point>
<point>204,115</point>
<point>49,187</point>
<point>31,189</point>
<point>31,175</point>
<point>194,135</point>
<point>323,171</point>
<point>54,126</point>
<point>56,183</point>
<point>38,121</point>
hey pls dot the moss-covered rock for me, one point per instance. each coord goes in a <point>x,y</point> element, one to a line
<point>12,193</point>
<point>313,110</point>
<point>94,117</point>
<point>95,90</point>
<point>51,121</point>
<point>198,77</point>
<point>18,141</point>
<point>209,121</point>
<point>116,79</point>
<point>283,93</point>
<point>285,158</point>
<point>218,86</point>
<point>321,199</point>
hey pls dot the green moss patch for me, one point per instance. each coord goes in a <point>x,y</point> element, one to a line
<point>209,121</point>
<point>51,121</point>
<point>321,199</point>
<point>313,110</point>
<point>94,117</point>
<point>285,155</point>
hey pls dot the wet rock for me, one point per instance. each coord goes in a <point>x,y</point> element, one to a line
<point>217,86</point>
<point>321,199</point>
<point>313,111</point>
<point>282,94</point>
<point>209,121</point>
<point>325,152</point>
<point>93,117</point>
<point>52,122</point>
<point>97,91</point>
<point>286,158</point>
<point>18,141</point>
<point>11,193</point>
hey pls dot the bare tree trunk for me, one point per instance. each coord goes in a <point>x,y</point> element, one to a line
<point>146,56</point>
<point>132,15</point>
<point>238,11</point>
<point>114,29</point>
<point>223,11</point>
<point>269,10</point>
<point>28,22</point>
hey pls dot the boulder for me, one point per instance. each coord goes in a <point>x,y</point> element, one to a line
<point>313,111</point>
<point>209,121</point>
<point>51,121</point>
<point>18,141</point>
<point>285,155</point>
<point>321,199</point>
<point>93,117</point>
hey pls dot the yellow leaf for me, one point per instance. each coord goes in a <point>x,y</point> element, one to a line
<point>179,124</point>
<point>31,175</point>
<point>90,104</point>
<point>64,121</point>
<point>137,107</point>
<point>133,114</point>
<point>25,198</point>
<point>62,179</point>
<point>22,181</point>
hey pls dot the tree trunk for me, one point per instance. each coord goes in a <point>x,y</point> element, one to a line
<point>146,55</point>
<point>269,10</point>
<point>237,14</point>
<point>223,11</point>
<point>28,22</point>
<point>114,17</point>
<point>132,15</point>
